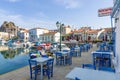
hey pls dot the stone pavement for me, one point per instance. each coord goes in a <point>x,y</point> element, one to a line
<point>59,71</point>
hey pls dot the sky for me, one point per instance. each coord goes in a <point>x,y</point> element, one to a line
<point>45,13</point>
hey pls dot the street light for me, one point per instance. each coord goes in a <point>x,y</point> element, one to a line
<point>59,26</point>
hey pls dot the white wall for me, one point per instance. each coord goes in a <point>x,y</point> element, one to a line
<point>117,43</point>
<point>57,37</point>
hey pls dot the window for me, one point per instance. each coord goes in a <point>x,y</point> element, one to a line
<point>116,20</point>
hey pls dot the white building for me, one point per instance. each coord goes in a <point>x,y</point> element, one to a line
<point>35,32</point>
<point>50,37</point>
<point>24,35</point>
<point>6,35</point>
<point>116,15</point>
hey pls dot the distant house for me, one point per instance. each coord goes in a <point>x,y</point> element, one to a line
<point>50,37</point>
<point>66,29</point>
<point>35,32</point>
<point>5,35</point>
<point>92,34</point>
<point>23,35</point>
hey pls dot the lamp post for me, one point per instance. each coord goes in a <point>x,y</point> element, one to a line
<point>59,26</point>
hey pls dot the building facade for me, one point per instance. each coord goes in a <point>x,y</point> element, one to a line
<point>23,35</point>
<point>116,35</point>
<point>35,32</point>
<point>50,37</point>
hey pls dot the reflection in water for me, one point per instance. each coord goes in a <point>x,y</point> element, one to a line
<point>11,53</point>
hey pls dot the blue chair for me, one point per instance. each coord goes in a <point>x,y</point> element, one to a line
<point>106,69</point>
<point>74,52</point>
<point>97,59</point>
<point>48,69</point>
<point>31,55</point>
<point>34,69</point>
<point>65,50</point>
<point>90,66</point>
<point>102,47</point>
<point>59,58</point>
<point>110,47</point>
<point>77,78</point>
<point>106,60</point>
<point>80,50</point>
<point>69,58</point>
<point>45,56</point>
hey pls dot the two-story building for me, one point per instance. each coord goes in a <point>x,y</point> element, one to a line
<point>35,32</point>
<point>23,35</point>
<point>50,37</point>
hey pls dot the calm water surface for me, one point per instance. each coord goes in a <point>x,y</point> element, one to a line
<point>13,59</point>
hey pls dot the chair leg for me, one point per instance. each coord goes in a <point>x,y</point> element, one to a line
<point>30,75</point>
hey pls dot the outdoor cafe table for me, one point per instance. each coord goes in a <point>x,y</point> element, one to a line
<point>103,52</point>
<point>64,54</point>
<point>89,74</point>
<point>41,61</point>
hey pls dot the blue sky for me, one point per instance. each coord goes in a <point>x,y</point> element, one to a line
<point>45,13</point>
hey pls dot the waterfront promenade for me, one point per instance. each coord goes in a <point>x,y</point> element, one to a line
<point>59,71</point>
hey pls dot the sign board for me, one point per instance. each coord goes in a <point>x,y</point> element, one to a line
<point>104,12</point>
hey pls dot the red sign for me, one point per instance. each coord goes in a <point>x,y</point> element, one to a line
<point>104,12</point>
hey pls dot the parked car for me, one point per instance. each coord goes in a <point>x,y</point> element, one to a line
<point>57,48</point>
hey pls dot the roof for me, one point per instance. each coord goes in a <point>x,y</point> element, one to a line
<point>38,28</point>
<point>93,31</point>
<point>107,29</point>
<point>78,31</point>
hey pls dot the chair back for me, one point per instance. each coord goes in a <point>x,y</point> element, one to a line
<point>77,78</point>
<point>45,56</point>
<point>50,67</point>
<point>90,66</point>
<point>96,55</point>
<point>32,63</point>
<point>31,55</point>
<point>65,50</point>
<point>106,60</point>
<point>50,63</point>
<point>104,56</point>
<point>106,69</point>
<point>58,54</point>
<point>34,68</point>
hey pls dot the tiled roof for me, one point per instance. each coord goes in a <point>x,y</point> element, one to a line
<point>26,31</point>
<point>107,29</point>
<point>93,31</point>
<point>78,31</point>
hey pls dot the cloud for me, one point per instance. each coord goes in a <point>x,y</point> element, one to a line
<point>25,22</point>
<point>69,3</point>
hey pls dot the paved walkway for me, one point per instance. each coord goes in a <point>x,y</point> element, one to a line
<point>59,71</point>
